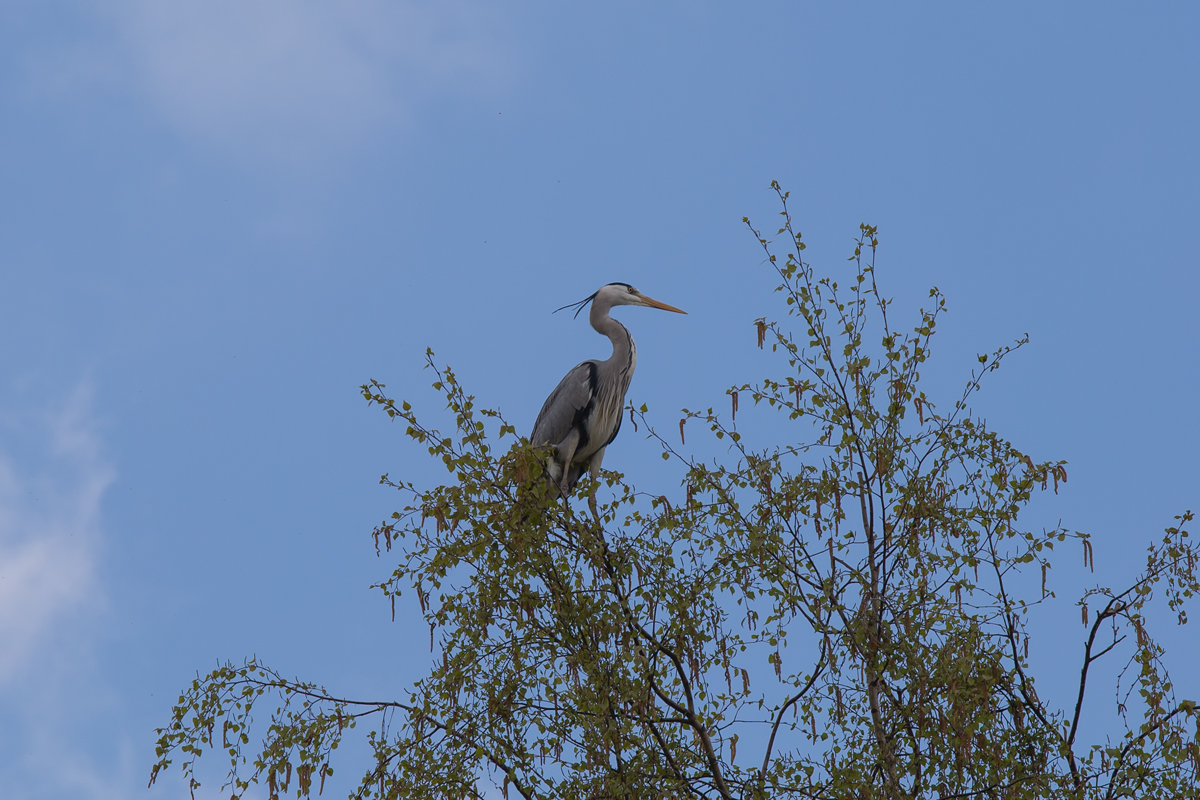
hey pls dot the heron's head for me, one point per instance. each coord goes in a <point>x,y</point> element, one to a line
<point>619,294</point>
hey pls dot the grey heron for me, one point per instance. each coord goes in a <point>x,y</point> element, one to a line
<point>582,415</point>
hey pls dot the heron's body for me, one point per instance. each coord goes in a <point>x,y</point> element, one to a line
<point>582,415</point>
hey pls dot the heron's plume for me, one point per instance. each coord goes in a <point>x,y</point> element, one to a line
<point>579,306</point>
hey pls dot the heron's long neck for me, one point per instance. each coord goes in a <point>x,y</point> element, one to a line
<point>624,355</point>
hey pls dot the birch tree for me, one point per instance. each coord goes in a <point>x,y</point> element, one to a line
<point>840,612</point>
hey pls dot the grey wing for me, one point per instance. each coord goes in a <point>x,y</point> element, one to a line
<point>567,406</point>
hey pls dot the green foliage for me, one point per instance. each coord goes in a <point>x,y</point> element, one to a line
<point>839,615</point>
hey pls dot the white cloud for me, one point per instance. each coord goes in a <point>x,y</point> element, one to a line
<point>49,529</point>
<point>296,78</point>
<point>53,480</point>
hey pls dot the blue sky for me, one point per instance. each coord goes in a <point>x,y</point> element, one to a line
<point>217,219</point>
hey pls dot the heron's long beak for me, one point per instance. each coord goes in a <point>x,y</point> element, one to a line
<point>655,304</point>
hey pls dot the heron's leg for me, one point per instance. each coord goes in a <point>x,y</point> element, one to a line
<point>563,453</point>
<point>594,472</point>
